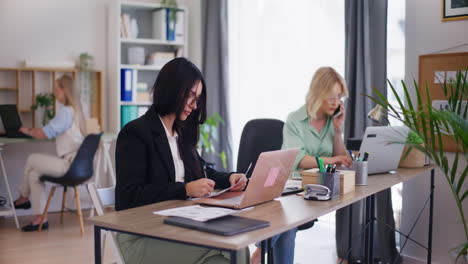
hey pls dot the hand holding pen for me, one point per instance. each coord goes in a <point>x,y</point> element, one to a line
<point>239,180</point>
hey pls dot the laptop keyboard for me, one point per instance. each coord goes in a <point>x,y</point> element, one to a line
<point>233,200</point>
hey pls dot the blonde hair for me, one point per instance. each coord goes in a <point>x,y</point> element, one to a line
<point>323,81</point>
<point>68,86</point>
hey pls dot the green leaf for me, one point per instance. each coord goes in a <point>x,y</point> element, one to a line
<point>454,167</point>
<point>464,196</point>
<point>407,152</point>
<point>462,180</point>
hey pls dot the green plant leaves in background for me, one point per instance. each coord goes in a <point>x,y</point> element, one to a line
<point>46,101</point>
<point>427,125</point>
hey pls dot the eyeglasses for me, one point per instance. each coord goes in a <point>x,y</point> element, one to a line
<point>193,99</point>
<point>333,99</point>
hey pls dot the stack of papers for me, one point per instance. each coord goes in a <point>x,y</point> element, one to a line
<point>197,212</point>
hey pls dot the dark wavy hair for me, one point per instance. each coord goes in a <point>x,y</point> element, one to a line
<point>170,94</point>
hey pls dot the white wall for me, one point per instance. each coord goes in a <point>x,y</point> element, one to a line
<point>425,34</point>
<point>57,30</point>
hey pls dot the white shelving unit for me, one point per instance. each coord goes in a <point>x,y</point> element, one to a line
<point>118,52</point>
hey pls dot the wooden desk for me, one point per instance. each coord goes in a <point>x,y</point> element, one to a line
<point>283,214</point>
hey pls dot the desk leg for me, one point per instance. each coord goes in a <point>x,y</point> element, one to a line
<point>371,228</point>
<point>369,242</point>
<point>270,251</point>
<point>264,249</point>
<point>350,232</point>
<point>7,184</point>
<point>97,245</point>
<point>233,256</point>
<point>431,214</point>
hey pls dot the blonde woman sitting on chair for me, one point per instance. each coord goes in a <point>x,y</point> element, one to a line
<point>67,127</point>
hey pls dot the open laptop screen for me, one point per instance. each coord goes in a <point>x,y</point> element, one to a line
<point>10,117</point>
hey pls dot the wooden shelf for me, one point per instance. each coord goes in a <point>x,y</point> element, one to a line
<point>150,41</point>
<point>25,110</point>
<point>136,103</point>
<point>8,88</point>
<point>141,67</point>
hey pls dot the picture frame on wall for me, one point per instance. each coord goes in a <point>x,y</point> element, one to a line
<point>454,10</point>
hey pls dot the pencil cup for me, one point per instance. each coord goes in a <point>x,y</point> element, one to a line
<point>332,181</point>
<point>360,167</point>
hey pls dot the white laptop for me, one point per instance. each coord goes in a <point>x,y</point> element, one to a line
<point>385,146</point>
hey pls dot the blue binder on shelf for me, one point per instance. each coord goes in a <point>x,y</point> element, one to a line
<point>170,25</point>
<point>126,82</point>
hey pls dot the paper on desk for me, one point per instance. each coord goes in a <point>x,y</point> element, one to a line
<point>213,194</point>
<point>197,212</point>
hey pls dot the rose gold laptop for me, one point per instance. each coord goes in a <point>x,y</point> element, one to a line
<point>267,182</point>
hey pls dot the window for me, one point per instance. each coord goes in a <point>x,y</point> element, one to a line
<point>275,48</point>
<point>396,73</point>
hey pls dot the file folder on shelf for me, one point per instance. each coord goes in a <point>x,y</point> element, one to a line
<point>126,83</point>
<point>127,114</point>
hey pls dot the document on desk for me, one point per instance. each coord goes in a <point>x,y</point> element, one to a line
<point>197,212</point>
<point>214,193</point>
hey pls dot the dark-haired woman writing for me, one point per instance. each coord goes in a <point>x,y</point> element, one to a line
<point>157,160</point>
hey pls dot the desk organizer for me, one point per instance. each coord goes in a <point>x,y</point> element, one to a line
<point>347,179</point>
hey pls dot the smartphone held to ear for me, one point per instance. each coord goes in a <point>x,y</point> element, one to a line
<point>337,112</point>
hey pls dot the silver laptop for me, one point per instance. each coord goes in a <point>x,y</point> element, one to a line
<point>385,146</point>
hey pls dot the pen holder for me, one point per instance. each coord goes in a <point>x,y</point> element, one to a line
<point>361,172</point>
<point>332,181</point>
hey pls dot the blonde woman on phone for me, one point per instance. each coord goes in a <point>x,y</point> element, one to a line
<point>316,128</point>
<point>68,129</point>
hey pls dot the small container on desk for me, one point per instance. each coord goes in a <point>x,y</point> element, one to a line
<point>346,179</point>
<point>360,167</point>
<point>332,181</point>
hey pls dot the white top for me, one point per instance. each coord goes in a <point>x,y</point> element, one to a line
<point>178,163</point>
<point>68,142</point>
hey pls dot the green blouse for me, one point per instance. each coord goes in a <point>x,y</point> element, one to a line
<point>299,133</point>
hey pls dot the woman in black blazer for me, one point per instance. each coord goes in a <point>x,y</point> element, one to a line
<point>157,160</point>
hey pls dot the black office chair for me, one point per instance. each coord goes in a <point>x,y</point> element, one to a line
<point>79,172</point>
<point>260,135</point>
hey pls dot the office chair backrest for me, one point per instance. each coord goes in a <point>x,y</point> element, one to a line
<point>101,197</point>
<point>81,168</point>
<point>259,135</point>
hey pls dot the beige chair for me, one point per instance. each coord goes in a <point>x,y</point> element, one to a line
<point>103,198</point>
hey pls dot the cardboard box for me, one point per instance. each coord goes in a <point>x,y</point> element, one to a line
<point>347,179</point>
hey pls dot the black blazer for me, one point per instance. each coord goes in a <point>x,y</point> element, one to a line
<point>145,168</point>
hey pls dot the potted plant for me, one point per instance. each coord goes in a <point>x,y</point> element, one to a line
<point>208,136</point>
<point>412,158</point>
<point>429,124</point>
<point>86,61</point>
<point>46,102</point>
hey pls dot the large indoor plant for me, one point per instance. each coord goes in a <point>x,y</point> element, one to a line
<point>429,124</point>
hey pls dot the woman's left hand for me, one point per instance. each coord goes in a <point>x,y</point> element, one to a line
<point>239,180</point>
<point>338,121</point>
<point>25,130</point>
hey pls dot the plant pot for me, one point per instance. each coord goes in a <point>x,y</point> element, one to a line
<point>415,159</point>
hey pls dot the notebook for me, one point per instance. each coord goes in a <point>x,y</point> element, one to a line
<point>226,226</point>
